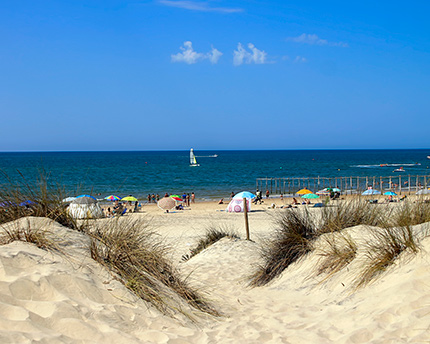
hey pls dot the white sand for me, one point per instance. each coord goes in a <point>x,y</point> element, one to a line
<point>53,298</point>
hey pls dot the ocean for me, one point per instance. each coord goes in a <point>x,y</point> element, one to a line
<point>142,172</point>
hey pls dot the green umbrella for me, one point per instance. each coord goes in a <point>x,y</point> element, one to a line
<point>310,195</point>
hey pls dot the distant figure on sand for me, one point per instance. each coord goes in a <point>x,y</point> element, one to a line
<point>294,202</point>
<point>267,194</point>
<point>221,201</point>
<point>193,197</point>
<point>232,195</point>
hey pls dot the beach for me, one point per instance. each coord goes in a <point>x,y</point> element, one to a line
<point>52,297</point>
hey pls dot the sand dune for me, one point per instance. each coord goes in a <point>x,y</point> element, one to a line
<point>50,297</point>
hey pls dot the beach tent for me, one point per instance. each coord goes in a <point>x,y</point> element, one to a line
<point>236,205</point>
<point>423,192</point>
<point>85,208</point>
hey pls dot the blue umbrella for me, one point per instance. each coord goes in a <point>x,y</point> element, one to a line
<point>244,194</point>
<point>390,193</point>
<point>371,192</point>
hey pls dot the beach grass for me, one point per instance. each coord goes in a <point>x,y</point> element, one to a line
<point>134,253</point>
<point>349,214</point>
<point>383,249</point>
<point>213,233</point>
<point>336,252</point>
<point>292,240</point>
<point>41,199</point>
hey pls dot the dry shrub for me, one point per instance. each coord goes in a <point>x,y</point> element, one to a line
<point>349,214</point>
<point>212,235</point>
<point>338,250</point>
<point>383,249</point>
<point>292,240</point>
<point>130,250</point>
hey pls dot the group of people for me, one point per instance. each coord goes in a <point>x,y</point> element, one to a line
<point>119,208</point>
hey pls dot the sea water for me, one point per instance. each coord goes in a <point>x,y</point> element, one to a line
<point>140,173</point>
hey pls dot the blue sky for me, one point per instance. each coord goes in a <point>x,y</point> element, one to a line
<point>167,74</point>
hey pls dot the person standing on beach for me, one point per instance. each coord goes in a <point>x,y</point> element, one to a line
<point>187,198</point>
<point>149,198</point>
<point>193,197</point>
<point>232,195</point>
<point>267,194</point>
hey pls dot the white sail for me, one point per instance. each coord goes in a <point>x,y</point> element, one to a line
<point>193,161</point>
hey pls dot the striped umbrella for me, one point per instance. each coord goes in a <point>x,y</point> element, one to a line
<point>176,198</point>
<point>113,198</point>
<point>166,203</point>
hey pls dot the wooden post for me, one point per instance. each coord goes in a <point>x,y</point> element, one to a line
<point>245,211</point>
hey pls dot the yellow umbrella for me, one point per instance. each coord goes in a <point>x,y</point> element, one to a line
<point>303,192</point>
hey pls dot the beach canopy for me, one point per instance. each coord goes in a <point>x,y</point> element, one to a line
<point>371,192</point>
<point>85,208</point>
<point>390,193</point>
<point>166,203</point>
<point>310,196</point>
<point>236,205</point>
<point>129,198</point>
<point>244,194</point>
<point>303,192</point>
<point>423,192</point>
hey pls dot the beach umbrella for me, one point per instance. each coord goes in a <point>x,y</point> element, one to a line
<point>129,198</point>
<point>85,200</point>
<point>371,192</point>
<point>310,196</point>
<point>88,196</point>
<point>303,192</point>
<point>113,198</point>
<point>68,199</point>
<point>166,203</point>
<point>390,193</point>
<point>176,198</point>
<point>244,194</point>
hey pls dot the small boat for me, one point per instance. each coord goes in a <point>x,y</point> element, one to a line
<point>193,161</point>
<point>428,156</point>
<point>399,170</point>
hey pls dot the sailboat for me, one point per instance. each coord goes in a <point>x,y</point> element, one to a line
<point>193,161</point>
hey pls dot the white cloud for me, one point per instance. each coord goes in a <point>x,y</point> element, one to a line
<point>313,39</point>
<point>300,59</point>
<point>241,55</point>
<point>203,6</point>
<point>214,55</point>
<point>190,56</point>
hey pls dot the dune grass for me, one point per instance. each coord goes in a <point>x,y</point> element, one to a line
<point>39,199</point>
<point>22,230</point>
<point>349,214</point>
<point>292,240</point>
<point>383,249</point>
<point>213,233</point>
<point>297,230</point>
<point>135,255</point>
<point>338,250</point>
